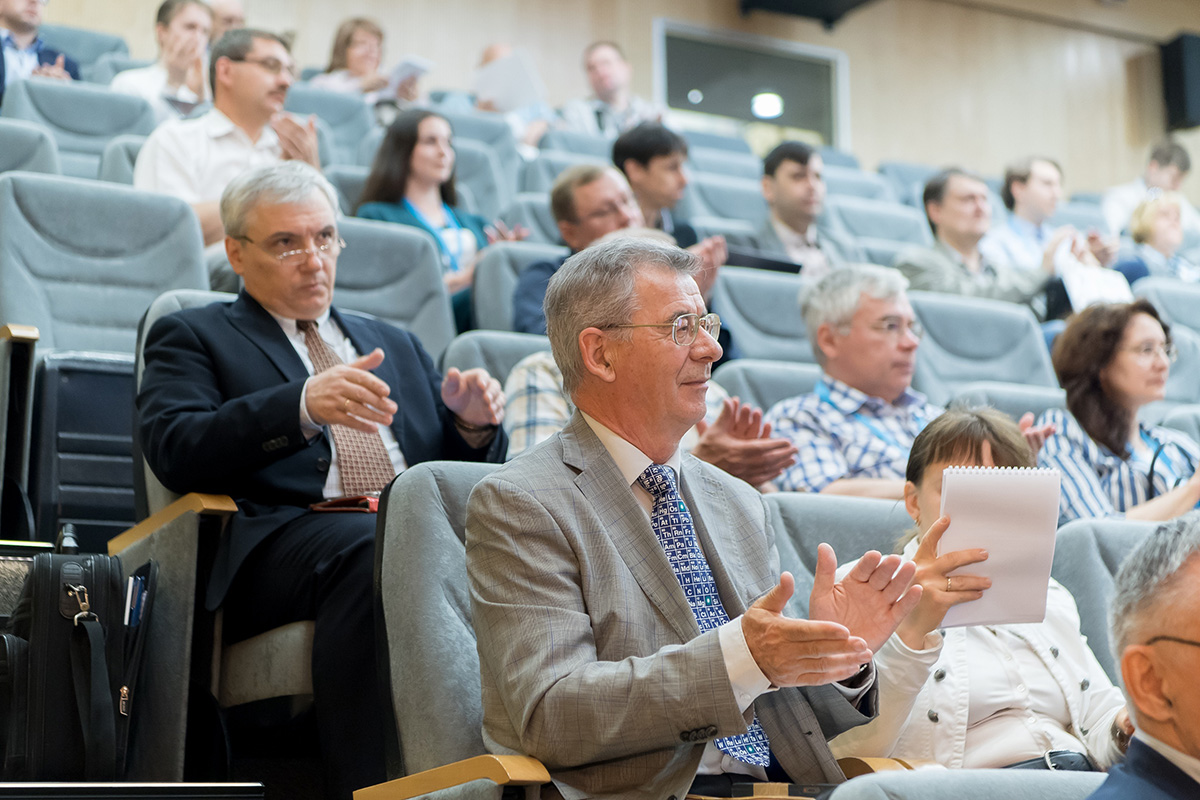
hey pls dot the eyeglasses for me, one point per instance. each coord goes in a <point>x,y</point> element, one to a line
<point>684,328</point>
<point>894,327</point>
<point>1176,639</point>
<point>1146,353</point>
<point>622,206</point>
<point>294,258</point>
<point>271,65</point>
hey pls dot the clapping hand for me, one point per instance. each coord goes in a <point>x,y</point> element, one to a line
<point>740,443</point>
<point>940,590</point>
<point>474,396</point>
<point>870,601</point>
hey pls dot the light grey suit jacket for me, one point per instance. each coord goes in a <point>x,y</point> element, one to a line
<point>591,658</point>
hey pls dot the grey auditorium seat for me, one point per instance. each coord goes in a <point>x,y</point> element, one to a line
<point>81,261</point>
<point>977,784</point>
<point>110,65</point>
<point>395,273</point>
<point>581,143</point>
<point>716,161</point>
<point>834,157</point>
<point>716,141</point>
<point>1087,555</point>
<point>880,227</point>
<point>119,157</point>
<point>85,46</point>
<point>1185,419</point>
<point>762,311</point>
<point>477,173</point>
<point>532,210</point>
<point>1183,383</point>
<point>348,117</point>
<point>1013,399</point>
<point>907,177</point>
<point>365,155</point>
<point>1083,217</point>
<point>28,147</point>
<point>1177,302</point>
<point>492,130</point>
<point>538,175</point>
<point>969,339</point>
<point>856,183</point>
<point>726,196</point>
<point>496,279</point>
<point>349,180</point>
<point>765,383</point>
<point>496,351</point>
<point>81,117</point>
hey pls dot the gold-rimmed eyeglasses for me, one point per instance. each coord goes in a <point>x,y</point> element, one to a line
<point>684,328</point>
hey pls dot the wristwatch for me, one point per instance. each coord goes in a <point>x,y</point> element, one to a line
<point>1120,737</point>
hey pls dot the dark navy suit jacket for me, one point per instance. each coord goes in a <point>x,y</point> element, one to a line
<point>46,55</point>
<point>219,411</point>
<point>1145,775</point>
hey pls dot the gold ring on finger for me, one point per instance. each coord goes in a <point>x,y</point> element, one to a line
<point>947,584</point>
<point>346,406</point>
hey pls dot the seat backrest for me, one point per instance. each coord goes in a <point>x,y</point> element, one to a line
<point>532,210</point>
<point>762,310</point>
<point>538,175</point>
<point>1185,419</point>
<point>150,496</point>
<point>737,232</point>
<point>862,217</point>
<point>1087,555</point>
<point>82,260</point>
<point>1177,302</point>
<point>855,182</point>
<point>110,65</point>
<point>843,159</point>
<point>85,46</point>
<point>496,279</point>
<point>424,609</point>
<point>477,170</point>
<point>1083,217</point>
<point>905,177</point>
<point>970,339</point>
<point>27,146</point>
<point>81,117</point>
<point>369,146</point>
<point>572,142</point>
<point>725,162</point>
<point>395,273</point>
<point>1013,399</point>
<point>1183,384</point>
<point>765,383</point>
<point>977,784</point>
<point>496,351</point>
<point>119,157</point>
<point>492,130</point>
<point>348,117</point>
<point>349,180</point>
<point>724,196</point>
<point>851,525</point>
<point>716,141</point>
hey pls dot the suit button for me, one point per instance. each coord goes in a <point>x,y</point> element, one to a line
<point>685,736</point>
<point>1084,684</point>
<point>933,715</point>
<point>322,465</point>
<point>940,675</point>
<point>710,731</point>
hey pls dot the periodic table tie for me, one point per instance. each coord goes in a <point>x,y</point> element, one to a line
<point>672,524</point>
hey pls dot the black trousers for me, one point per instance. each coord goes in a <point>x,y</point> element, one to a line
<point>321,567</point>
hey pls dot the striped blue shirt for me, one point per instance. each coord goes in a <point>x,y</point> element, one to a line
<point>1098,483</point>
<point>841,432</point>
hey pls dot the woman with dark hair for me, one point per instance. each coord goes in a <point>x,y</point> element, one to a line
<point>1026,695</point>
<point>412,182</point>
<point>1112,359</point>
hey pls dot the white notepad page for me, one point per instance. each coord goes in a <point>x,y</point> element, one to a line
<point>1013,514</point>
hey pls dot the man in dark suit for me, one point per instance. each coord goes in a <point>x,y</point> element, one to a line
<point>25,54</point>
<point>281,401</point>
<point>627,598</point>
<point>1156,636</point>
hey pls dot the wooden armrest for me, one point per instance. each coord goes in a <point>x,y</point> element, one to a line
<point>20,333</point>
<point>193,503</point>
<point>854,766</point>
<point>503,770</point>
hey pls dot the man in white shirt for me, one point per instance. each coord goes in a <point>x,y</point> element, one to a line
<point>1032,191</point>
<point>1169,165</point>
<point>793,185</point>
<point>194,159</point>
<point>613,108</point>
<point>175,84</point>
<point>627,598</point>
<point>1156,636</point>
<point>25,54</point>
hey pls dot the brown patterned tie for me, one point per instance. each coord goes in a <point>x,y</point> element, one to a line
<point>362,458</point>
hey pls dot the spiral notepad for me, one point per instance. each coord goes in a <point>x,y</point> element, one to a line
<point>1013,514</point>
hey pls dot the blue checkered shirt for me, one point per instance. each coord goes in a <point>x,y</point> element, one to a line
<point>841,432</point>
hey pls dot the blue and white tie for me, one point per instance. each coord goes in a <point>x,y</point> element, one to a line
<point>672,524</point>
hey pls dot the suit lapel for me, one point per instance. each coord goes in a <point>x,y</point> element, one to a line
<point>706,500</point>
<point>626,524</point>
<point>263,332</point>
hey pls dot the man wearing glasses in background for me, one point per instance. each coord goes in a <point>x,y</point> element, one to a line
<point>855,429</point>
<point>281,401</point>
<point>250,72</point>
<point>25,54</point>
<point>1156,637</point>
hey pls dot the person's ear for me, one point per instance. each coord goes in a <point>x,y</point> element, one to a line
<point>599,357</point>
<point>233,251</point>
<point>635,173</point>
<point>569,231</point>
<point>768,189</point>
<point>934,212</point>
<point>827,340</point>
<point>910,502</point>
<point>1148,690</point>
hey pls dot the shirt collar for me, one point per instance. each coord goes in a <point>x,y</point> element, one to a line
<point>218,125</point>
<point>848,400</point>
<point>289,325</point>
<point>790,237</point>
<point>1027,230</point>
<point>956,257</point>
<point>6,40</point>
<point>629,460</point>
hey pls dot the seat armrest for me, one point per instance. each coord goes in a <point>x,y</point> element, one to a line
<point>854,766</point>
<point>194,503</point>
<point>17,345</point>
<point>502,770</point>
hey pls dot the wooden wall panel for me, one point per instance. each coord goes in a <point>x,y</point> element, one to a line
<point>936,81</point>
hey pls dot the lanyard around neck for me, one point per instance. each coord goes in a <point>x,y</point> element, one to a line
<point>822,392</point>
<point>449,256</point>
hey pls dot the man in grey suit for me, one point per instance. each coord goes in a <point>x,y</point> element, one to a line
<point>793,184</point>
<point>631,635</point>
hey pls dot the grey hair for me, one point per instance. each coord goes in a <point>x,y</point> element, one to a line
<point>1148,581</point>
<point>596,288</point>
<point>834,299</point>
<point>285,182</point>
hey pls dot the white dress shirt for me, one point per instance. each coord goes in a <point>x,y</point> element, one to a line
<point>19,63</point>
<point>195,159</point>
<point>344,348</point>
<point>803,248</point>
<point>150,83</point>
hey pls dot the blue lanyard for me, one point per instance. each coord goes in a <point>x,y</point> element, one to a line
<point>450,257</point>
<point>1160,454</point>
<point>822,392</point>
